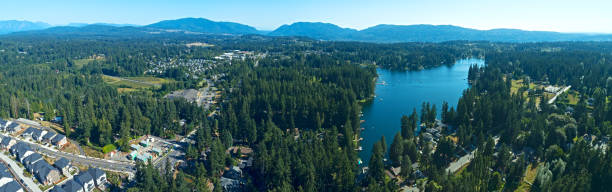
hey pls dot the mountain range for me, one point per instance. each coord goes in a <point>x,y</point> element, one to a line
<point>315,30</point>
<point>10,26</point>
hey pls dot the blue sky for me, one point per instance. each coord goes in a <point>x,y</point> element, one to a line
<point>551,15</point>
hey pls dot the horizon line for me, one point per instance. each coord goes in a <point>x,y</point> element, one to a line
<point>272,29</point>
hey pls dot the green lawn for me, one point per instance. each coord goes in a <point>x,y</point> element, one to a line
<point>154,80</point>
<point>529,177</point>
<point>122,83</point>
<point>80,62</point>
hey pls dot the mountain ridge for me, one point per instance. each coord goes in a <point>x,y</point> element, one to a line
<point>382,33</point>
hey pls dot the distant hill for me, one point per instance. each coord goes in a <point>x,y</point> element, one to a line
<point>426,33</point>
<point>324,31</point>
<point>15,26</point>
<point>109,24</point>
<point>204,26</point>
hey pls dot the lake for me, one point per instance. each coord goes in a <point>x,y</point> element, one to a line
<point>397,93</point>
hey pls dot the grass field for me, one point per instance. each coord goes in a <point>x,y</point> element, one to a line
<point>124,83</point>
<point>572,96</point>
<point>152,80</point>
<point>529,177</point>
<point>91,152</point>
<point>80,62</point>
<point>129,84</point>
<point>517,84</point>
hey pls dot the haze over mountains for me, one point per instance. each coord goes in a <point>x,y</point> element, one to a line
<point>10,26</point>
<point>315,30</point>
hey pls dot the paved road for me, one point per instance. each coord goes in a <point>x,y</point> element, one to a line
<point>19,171</point>
<point>81,159</point>
<point>456,165</point>
<point>84,160</point>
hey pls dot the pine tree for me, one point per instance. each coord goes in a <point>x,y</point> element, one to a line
<point>396,150</point>
<point>406,170</point>
<point>406,128</point>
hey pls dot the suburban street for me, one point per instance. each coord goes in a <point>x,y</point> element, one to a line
<point>84,160</point>
<point>19,171</point>
<point>81,159</point>
<point>81,151</point>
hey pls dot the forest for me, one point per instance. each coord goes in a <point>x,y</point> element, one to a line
<point>298,109</point>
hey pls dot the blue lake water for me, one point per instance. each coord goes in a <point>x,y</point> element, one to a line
<point>397,93</point>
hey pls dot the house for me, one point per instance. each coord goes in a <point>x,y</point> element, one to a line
<point>38,134</point>
<point>28,132</point>
<point>32,159</point>
<point>5,175</point>
<point>3,124</point>
<point>59,140</point>
<point>13,128</point>
<point>551,89</point>
<point>12,186</point>
<point>2,137</point>
<point>134,147</point>
<point>230,184</point>
<point>45,173</point>
<point>233,173</point>
<point>72,186</point>
<point>157,151</point>
<point>144,157</point>
<point>47,137</point>
<point>7,142</point>
<point>85,180</point>
<point>21,150</point>
<point>63,165</point>
<point>427,137</point>
<point>98,176</point>
<point>144,143</point>
<point>133,155</point>
<point>245,163</point>
<point>57,188</point>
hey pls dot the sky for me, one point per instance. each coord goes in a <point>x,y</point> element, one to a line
<point>547,15</point>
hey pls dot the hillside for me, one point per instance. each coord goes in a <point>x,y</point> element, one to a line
<point>316,30</point>
<point>204,26</point>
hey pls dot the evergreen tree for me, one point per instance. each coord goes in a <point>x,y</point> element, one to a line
<point>396,150</point>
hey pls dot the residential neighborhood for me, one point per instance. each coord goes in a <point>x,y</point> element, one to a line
<point>47,175</point>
